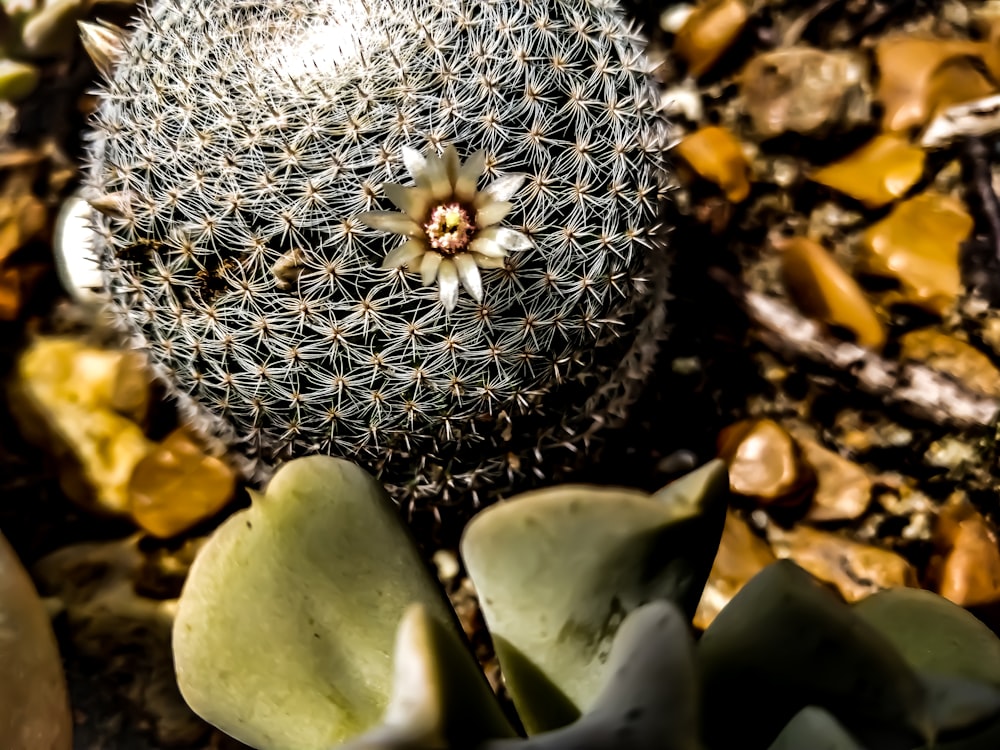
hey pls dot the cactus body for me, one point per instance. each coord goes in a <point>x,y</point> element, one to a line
<point>239,153</point>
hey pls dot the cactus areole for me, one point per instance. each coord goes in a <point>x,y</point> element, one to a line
<point>419,234</point>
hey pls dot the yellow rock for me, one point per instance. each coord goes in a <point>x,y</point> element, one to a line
<point>878,173</point>
<point>764,463</point>
<point>918,76</point>
<point>715,155</point>
<point>968,567</point>
<point>708,32</point>
<point>918,245</point>
<point>857,570</point>
<point>176,486</point>
<point>843,488</point>
<point>67,397</point>
<point>952,356</point>
<point>825,291</point>
<point>742,554</point>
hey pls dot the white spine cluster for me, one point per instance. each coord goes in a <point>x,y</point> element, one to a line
<point>239,151</point>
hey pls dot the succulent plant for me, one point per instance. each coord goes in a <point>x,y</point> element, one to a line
<point>245,162</point>
<point>285,628</point>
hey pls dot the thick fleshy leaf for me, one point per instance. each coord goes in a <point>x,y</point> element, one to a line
<point>439,695</point>
<point>648,698</point>
<point>964,713</point>
<point>786,642</point>
<point>34,711</point>
<point>957,704</point>
<point>286,623</point>
<point>932,634</point>
<point>557,571</point>
<point>813,728</point>
<point>986,737</point>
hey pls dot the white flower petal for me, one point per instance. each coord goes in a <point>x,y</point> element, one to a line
<point>492,213</point>
<point>405,254</point>
<point>503,188</point>
<point>414,202</point>
<point>486,246</point>
<point>429,268</point>
<point>451,164</point>
<point>485,262</point>
<point>390,221</point>
<point>436,178</point>
<point>448,284</point>
<point>416,165</point>
<point>468,274</point>
<point>468,176</point>
<point>511,239</point>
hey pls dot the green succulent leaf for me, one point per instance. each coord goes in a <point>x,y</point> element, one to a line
<point>286,624</point>
<point>933,634</point>
<point>955,704</point>
<point>986,737</point>
<point>559,570</point>
<point>786,642</point>
<point>649,696</point>
<point>439,695</point>
<point>813,728</point>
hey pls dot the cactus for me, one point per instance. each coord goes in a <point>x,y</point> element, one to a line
<point>246,164</point>
<point>283,637</point>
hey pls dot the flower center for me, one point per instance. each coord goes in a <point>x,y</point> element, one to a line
<point>449,229</point>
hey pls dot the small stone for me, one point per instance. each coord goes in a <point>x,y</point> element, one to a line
<point>124,633</point>
<point>715,155</point>
<point>447,565</point>
<point>953,357</point>
<point>708,32</point>
<point>951,452</point>
<point>843,488</point>
<point>73,246</point>
<point>683,100</point>
<point>742,554</point>
<point>764,463</point>
<point>824,291</point>
<point>673,18</point>
<point>34,709</point>
<point>176,486</point>
<point>11,294</point>
<point>969,572</point>
<point>918,245</point>
<point>857,570</point>
<point>878,173</point>
<point>805,90</point>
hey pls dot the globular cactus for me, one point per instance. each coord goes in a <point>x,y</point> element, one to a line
<point>250,168</point>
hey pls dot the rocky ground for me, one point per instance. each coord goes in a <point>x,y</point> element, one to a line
<point>836,337</point>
